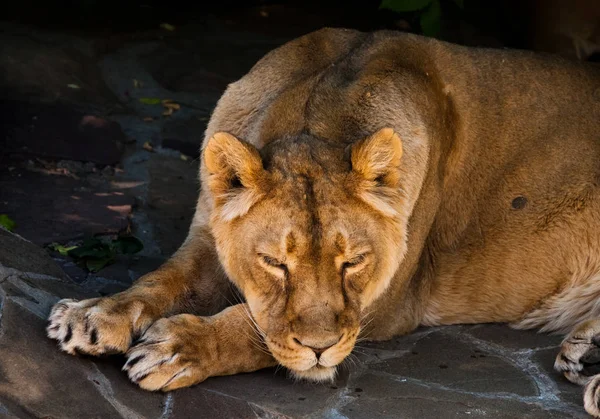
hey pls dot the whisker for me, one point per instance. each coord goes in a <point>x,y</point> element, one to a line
<point>363,325</point>
<point>278,368</point>
<point>350,361</point>
<point>259,343</point>
<point>361,347</point>
<point>362,339</point>
<point>246,310</point>
<point>367,314</point>
<point>363,334</point>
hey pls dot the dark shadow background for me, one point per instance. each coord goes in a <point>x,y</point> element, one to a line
<point>550,25</point>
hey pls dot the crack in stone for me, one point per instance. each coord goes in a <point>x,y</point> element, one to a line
<point>333,414</point>
<point>547,388</point>
<point>168,407</point>
<point>105,389</point>
<point>332,411</point>
<point>270,414</point>
<point>208,390</point>
<point>262,412</point>
<point>531,400</point>
<point>34,300</point>
<point>536,349</point>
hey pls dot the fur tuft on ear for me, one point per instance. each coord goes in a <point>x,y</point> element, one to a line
<point>377,154</point>
<point>376,161</point>
<point>236,174</point>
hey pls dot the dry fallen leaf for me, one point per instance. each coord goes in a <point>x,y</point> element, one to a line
<point>148,146</point>
<point>172,105</point>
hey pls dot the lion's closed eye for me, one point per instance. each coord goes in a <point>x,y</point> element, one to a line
<point>273,266</point>
<point>355,265</point>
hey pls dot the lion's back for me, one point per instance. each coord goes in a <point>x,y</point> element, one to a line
<point>279,70</point>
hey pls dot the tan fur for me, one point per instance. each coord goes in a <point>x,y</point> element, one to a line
<point>386,174</point>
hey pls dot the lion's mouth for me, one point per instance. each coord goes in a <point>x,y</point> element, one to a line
<point>305,365</point>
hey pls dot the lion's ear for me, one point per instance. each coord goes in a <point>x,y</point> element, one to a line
<point>376,160</point>
<point>236,174</point>
<point>377,155</point>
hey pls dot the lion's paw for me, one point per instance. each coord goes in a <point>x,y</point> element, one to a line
<point>591,396</point>
<point>174,352</point>
<point>579,354</point>
<point>96,326</point>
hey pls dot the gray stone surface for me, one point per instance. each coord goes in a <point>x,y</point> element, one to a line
<point>58,131</point>
<point>47,67</point>
<point>62,207</point>
<point>486,371</point>
<point>185,135</point>
<point>171,199</point>
<point>22,255</point>
<point>459,366</point>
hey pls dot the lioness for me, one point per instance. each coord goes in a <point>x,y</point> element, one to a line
<point>383,175</point>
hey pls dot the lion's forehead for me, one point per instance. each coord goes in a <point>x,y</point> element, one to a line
<point>329,228</point>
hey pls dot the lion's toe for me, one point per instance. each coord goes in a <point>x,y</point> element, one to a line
<point>579,355</point>
<point>85,327</point>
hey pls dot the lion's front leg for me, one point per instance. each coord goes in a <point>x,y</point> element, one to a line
<point>184,350</point>
<point>191,281</point>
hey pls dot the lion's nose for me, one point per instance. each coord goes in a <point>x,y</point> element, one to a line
<point>318,347</point>
<point>319,351</point>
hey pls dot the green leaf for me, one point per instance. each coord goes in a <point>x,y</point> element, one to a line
<point>127,245</point>
<point>92,248</point>
<point>61,249</point>
<point>94,265</point>
<point>431,19</point>
<point>150,100</point>
<point>7,222</point>
<point>94,254</point>
<point>401,6</point>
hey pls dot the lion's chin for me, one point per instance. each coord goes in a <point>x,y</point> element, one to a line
<point>317,374</point>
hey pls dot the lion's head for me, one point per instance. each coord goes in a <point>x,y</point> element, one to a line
<point>311,232</point>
